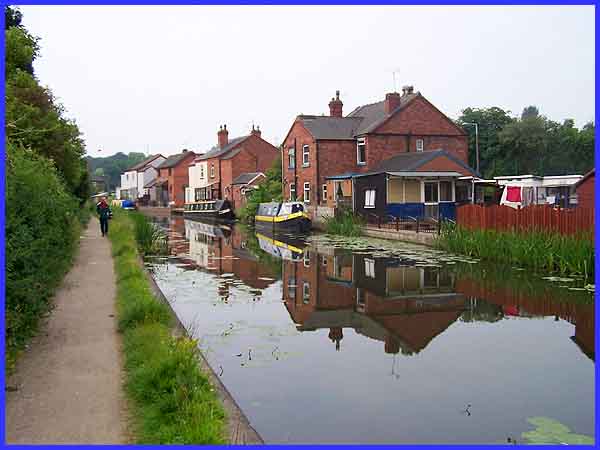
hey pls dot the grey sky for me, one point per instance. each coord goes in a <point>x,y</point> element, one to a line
<point>164,78</point>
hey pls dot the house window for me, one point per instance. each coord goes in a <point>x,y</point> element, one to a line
<point>306,292</point>
<point>305,156</point>
<point>324,192</point>
<point>170,171</point>
<point>370,268</point>
<point>292,287</point>
<point>292,192</point>
<point>370,198</point>
<point>445,191</point>
<point>202,172</point>
<point>361,157</point>
<point>420,145</point>
<point>324,260</point>
<point>212,170</point>
<point>431,192</point>
<point>292,158</point>
<point>306,258</point>
<point>307,192</point>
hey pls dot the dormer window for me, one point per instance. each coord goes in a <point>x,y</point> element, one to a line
<point>420,145</point>
<point>361,153</point>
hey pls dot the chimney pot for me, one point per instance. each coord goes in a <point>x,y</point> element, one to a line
<point>222,136</point>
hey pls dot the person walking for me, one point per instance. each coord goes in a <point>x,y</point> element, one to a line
<point>104,213</point>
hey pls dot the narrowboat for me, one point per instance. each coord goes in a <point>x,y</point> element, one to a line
<point>209,209</point>
<point>288,216</point>
<point>279,249</point>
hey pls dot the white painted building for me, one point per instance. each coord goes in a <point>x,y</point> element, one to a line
<point>198,182</point>
<point>536,190</point>
<point>134,178</point>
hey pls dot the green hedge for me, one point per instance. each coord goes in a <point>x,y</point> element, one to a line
<point>43,222</point>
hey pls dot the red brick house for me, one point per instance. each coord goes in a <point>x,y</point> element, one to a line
<point>585,190</point>
<point>317,147</point>
<point>173,179</point>
<point>212,173</point>
<point>242,185</point>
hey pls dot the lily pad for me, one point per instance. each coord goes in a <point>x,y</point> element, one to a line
<point>550,431</point>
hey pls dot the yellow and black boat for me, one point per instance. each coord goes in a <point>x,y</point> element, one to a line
<point>287,216</point>
<point>291,251</point>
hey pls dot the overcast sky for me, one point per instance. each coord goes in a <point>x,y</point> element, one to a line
<point>164,78</point>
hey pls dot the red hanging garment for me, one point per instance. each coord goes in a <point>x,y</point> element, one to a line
<point>513,194</point>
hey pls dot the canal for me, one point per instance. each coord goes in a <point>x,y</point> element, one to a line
<point>337,340</point>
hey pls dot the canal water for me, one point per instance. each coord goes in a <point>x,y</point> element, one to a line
<point>336,340</point>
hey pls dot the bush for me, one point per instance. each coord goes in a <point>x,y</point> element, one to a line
<point>550,252</point>
<point>345,223</point>
<point>42,230</point>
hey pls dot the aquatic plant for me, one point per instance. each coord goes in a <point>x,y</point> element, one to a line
<point>550,431</point>
<point>172,401</point>
<point>344,223</point>
<point>151,239</point>
<point>550,252</point>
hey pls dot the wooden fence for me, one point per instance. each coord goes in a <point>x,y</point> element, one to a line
<point>530,218</point>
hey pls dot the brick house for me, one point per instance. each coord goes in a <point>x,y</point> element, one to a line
<point>585,190</point>
<point>212,174</point>
<point>317,147</point>
<point>242,185</point>
<point>173,179</point>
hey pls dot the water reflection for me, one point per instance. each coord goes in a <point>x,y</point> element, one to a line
<point>489,330</point>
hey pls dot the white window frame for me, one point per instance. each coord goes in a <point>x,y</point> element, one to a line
<point>370,195</point>
<point>306,198</point>
<point>305,156</point>
<point>370,267</point>
<point>293,189</point>
<point>306,258</point>
<point>291,153</point>
<point>324,192</point>
<point>420,145</point>
<point>212,170</point>
<point>361,142</point>
<point>306,292</point>
<point>201,171</point>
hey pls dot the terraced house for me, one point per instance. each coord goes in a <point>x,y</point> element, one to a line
<point>322,154</point>
<point>216,173</point>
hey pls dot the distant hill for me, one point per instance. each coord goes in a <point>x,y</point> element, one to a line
<point>113,166</point>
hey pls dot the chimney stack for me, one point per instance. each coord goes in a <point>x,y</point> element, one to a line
<point>392,101</point>
<point>335,106</point>
<point>407,90</point>
<point>255,131</point>
<point>222,135</point>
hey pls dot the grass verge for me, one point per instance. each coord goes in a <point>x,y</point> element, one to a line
<point>344,223</point>
<point>548,252</point>
<point>172,400</point>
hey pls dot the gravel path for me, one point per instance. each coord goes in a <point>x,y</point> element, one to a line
<point>67,387</point>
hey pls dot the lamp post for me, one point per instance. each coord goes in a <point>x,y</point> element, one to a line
<point>476,143</point>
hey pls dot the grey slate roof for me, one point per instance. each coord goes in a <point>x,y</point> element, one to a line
<point>360,121</point>
<point>327,127</point>
<point>406,162</point>
<point>173,160</point>
<point>247,177</point>
<point>143,163</point>
<point>216,151</point>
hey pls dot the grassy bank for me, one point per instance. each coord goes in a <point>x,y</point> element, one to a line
<point>539,251</point>
<point>344,223</point>
<point>172,400</point>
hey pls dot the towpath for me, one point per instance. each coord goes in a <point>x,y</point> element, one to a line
<point>67,387</point>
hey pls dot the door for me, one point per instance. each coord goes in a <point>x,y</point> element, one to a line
<point>431,199</point>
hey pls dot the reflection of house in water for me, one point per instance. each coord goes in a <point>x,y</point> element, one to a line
<point>386,299</point>
<point>222,249</point>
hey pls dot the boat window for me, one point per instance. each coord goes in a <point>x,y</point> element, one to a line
<point>296,207</point>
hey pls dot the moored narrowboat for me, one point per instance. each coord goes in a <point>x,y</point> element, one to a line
<point>279,248</point>
<point>288,216</point>
<point>209,209</point>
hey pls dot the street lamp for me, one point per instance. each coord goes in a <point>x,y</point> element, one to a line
<point>476,143</point>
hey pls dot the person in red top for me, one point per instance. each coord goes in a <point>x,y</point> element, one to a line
<point>104,213</point>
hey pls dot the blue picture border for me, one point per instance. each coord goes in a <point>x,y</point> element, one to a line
<point>285,2</point>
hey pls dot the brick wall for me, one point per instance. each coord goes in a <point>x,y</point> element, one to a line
<point>585,193</point>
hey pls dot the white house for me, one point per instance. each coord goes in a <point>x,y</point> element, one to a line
<point>136,177</point>
<point>198,182</point>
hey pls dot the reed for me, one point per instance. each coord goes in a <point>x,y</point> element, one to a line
<point>344,223</point>
<point>543,251</point>
<point>151,239</point>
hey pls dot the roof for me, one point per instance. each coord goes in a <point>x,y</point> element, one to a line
<point>374,114</point>
<point>343,176</point>
<point>144,163</point>
<point>591,173</point>
<point>247,177</point>
<point>407,162</point>
<point>156,182</point>
<point>216,151</point>
<point>327,127</point>
<point>173,160</point>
